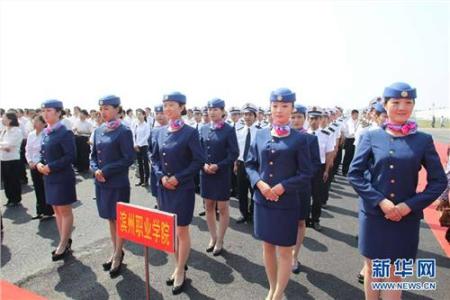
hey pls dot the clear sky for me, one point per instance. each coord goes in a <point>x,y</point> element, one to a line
<point>328,52</point>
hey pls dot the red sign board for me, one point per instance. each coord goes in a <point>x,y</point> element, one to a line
<point>149,227</point>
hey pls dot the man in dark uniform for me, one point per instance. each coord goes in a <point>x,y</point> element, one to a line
<point>245,136</point>
<point>319,181</point>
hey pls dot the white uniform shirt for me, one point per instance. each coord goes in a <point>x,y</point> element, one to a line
<point>241,135</point>
<point>66,122</point>
<point>83,128</point>
<point>326,142</point>
<point>351,126</point>
<point>10,138</point>
<point>196,125</point>
<point>33,147</point>
<point>73,119</point>
<point>25,126</point>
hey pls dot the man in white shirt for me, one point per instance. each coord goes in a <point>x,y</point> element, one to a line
<point>205,116</point>
<point>261,118</point>
<point>351,126</point>
<point>197,118</point>
<point>82,130</point>
<point>245,136</point>
<point>339,120</point>
<point>93,118</point>
<point>150,117</point>
<point>141,134</point>
<point>189,118</point>
<point>235,118</point>
<point>319,181</point>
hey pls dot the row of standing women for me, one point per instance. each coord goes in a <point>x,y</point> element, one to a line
<point>280,165</point>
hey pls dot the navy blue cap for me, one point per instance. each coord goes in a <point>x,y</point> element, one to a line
<point>175,96</point>
<point>283,95</point>
<point>52,103</point>
<point>109,100</point>
<point>314,113</point>
<point>248,107</point>
<point>159,108</point>
<point>216,103</point>
<point>399,90</point>
<point>379,107</point>
<point>298,108</point>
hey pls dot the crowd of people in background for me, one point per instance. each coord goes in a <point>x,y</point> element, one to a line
<point>277,162</point>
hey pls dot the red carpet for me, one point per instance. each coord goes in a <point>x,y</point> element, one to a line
<point>9,291</point>
<point>431,215</point>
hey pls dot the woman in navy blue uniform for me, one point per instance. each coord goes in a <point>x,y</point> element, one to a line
<point>297,122</point>
<point>219,143</point>
<point>278,165</point>
<point>160,121</point>
<point>384,172</point>
<point>112,155</point>
<point>176,158</point>
<point>58,153</point>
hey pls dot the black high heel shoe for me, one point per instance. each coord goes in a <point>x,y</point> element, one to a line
<point>107,265</point>
<point>217,251</point>
<point>170,280</point>
<point>69,244</point>
<point>116,271</point>
<point>56,257</point>
<point>211,247</point>
<point>179,288</point>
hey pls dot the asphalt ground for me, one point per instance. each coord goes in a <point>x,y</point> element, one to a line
<point>441,135</point>
<point>330,259</point>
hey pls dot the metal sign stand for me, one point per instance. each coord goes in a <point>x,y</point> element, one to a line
<point>147,277</point>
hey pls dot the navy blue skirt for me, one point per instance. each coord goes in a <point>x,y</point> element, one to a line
<point>61,193</point>
<point>276,226</point>
<point>380,238</point>
<point>216,187</point>
<point>107,199</point>
<point>305,205</point>
<point>179,202</point>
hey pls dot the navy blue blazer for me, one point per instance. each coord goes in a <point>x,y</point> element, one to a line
<point>58,151</point>
<point>220,146</point>
<point>314,149</point>
<point>276,160</point>
<point>152,136</point>
<point>177,154</point>
<point>387,167</point>
<point>113,153</point>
